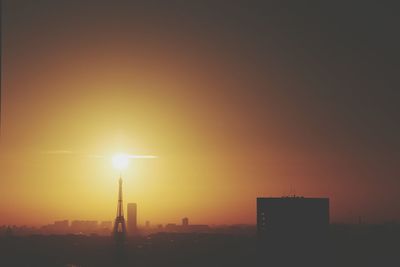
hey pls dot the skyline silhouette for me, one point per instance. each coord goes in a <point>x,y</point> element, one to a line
<point>236,100</point>
<point>236,133</point>
<point>288,243</point>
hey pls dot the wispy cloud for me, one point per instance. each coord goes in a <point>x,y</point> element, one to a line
<point>142,157</point>
<point>58,152</point>
<point>69,152</point>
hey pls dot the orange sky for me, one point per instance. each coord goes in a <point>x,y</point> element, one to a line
<point>226,128</point>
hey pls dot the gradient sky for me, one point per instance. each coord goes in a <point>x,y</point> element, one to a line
<point>238,100</point>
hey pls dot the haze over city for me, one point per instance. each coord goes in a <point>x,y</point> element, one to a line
<point>234,102</point>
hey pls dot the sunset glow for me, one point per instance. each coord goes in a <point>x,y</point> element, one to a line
<point>199,133</point>
<point>205,107</point>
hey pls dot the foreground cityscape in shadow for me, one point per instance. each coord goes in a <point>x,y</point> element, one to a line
<point>181,245</point>
<point>290,231</point>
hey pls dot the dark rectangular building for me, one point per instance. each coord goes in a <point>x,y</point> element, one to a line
<point>292,217</point>
<point>132,218</point>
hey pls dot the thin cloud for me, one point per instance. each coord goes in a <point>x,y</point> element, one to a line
<point>128,156</point>
<point>58,152</point>
<point>69,152</point>
<point>142,157</point>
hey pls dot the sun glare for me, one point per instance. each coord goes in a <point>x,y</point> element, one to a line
<point>120,161</point>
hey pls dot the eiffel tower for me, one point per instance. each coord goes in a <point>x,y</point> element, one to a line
<point>119,224</point>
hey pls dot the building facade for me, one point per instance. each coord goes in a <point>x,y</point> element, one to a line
<point>292,217</point>
<point>132,218</point>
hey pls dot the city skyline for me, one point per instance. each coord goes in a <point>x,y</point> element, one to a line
<point>222,103</point>
<point>156,133</point>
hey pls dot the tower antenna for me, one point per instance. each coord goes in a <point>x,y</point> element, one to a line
<point>119,231</point>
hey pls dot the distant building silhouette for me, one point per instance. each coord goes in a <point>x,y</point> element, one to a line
<point>185,222</point>
<point>147,225</point>
<point>61,226</point>
<point>171,227</point>
<point>186,228</point>
<point>83,227</point>
<point>196,228</point>
<point>132,218</point>
<point>106,225</point>
<point>58,227</point>
<point>292,217</point>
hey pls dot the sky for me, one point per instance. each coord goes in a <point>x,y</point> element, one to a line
<point>237,100</point>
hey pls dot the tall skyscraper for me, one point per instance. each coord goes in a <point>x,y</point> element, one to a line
<point>119,224</point>
<point>132,218</point>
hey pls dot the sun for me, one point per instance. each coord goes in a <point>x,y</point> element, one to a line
<point>120,161</point>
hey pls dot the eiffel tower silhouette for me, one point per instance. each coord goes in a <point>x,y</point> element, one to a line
<point>119,224</point>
